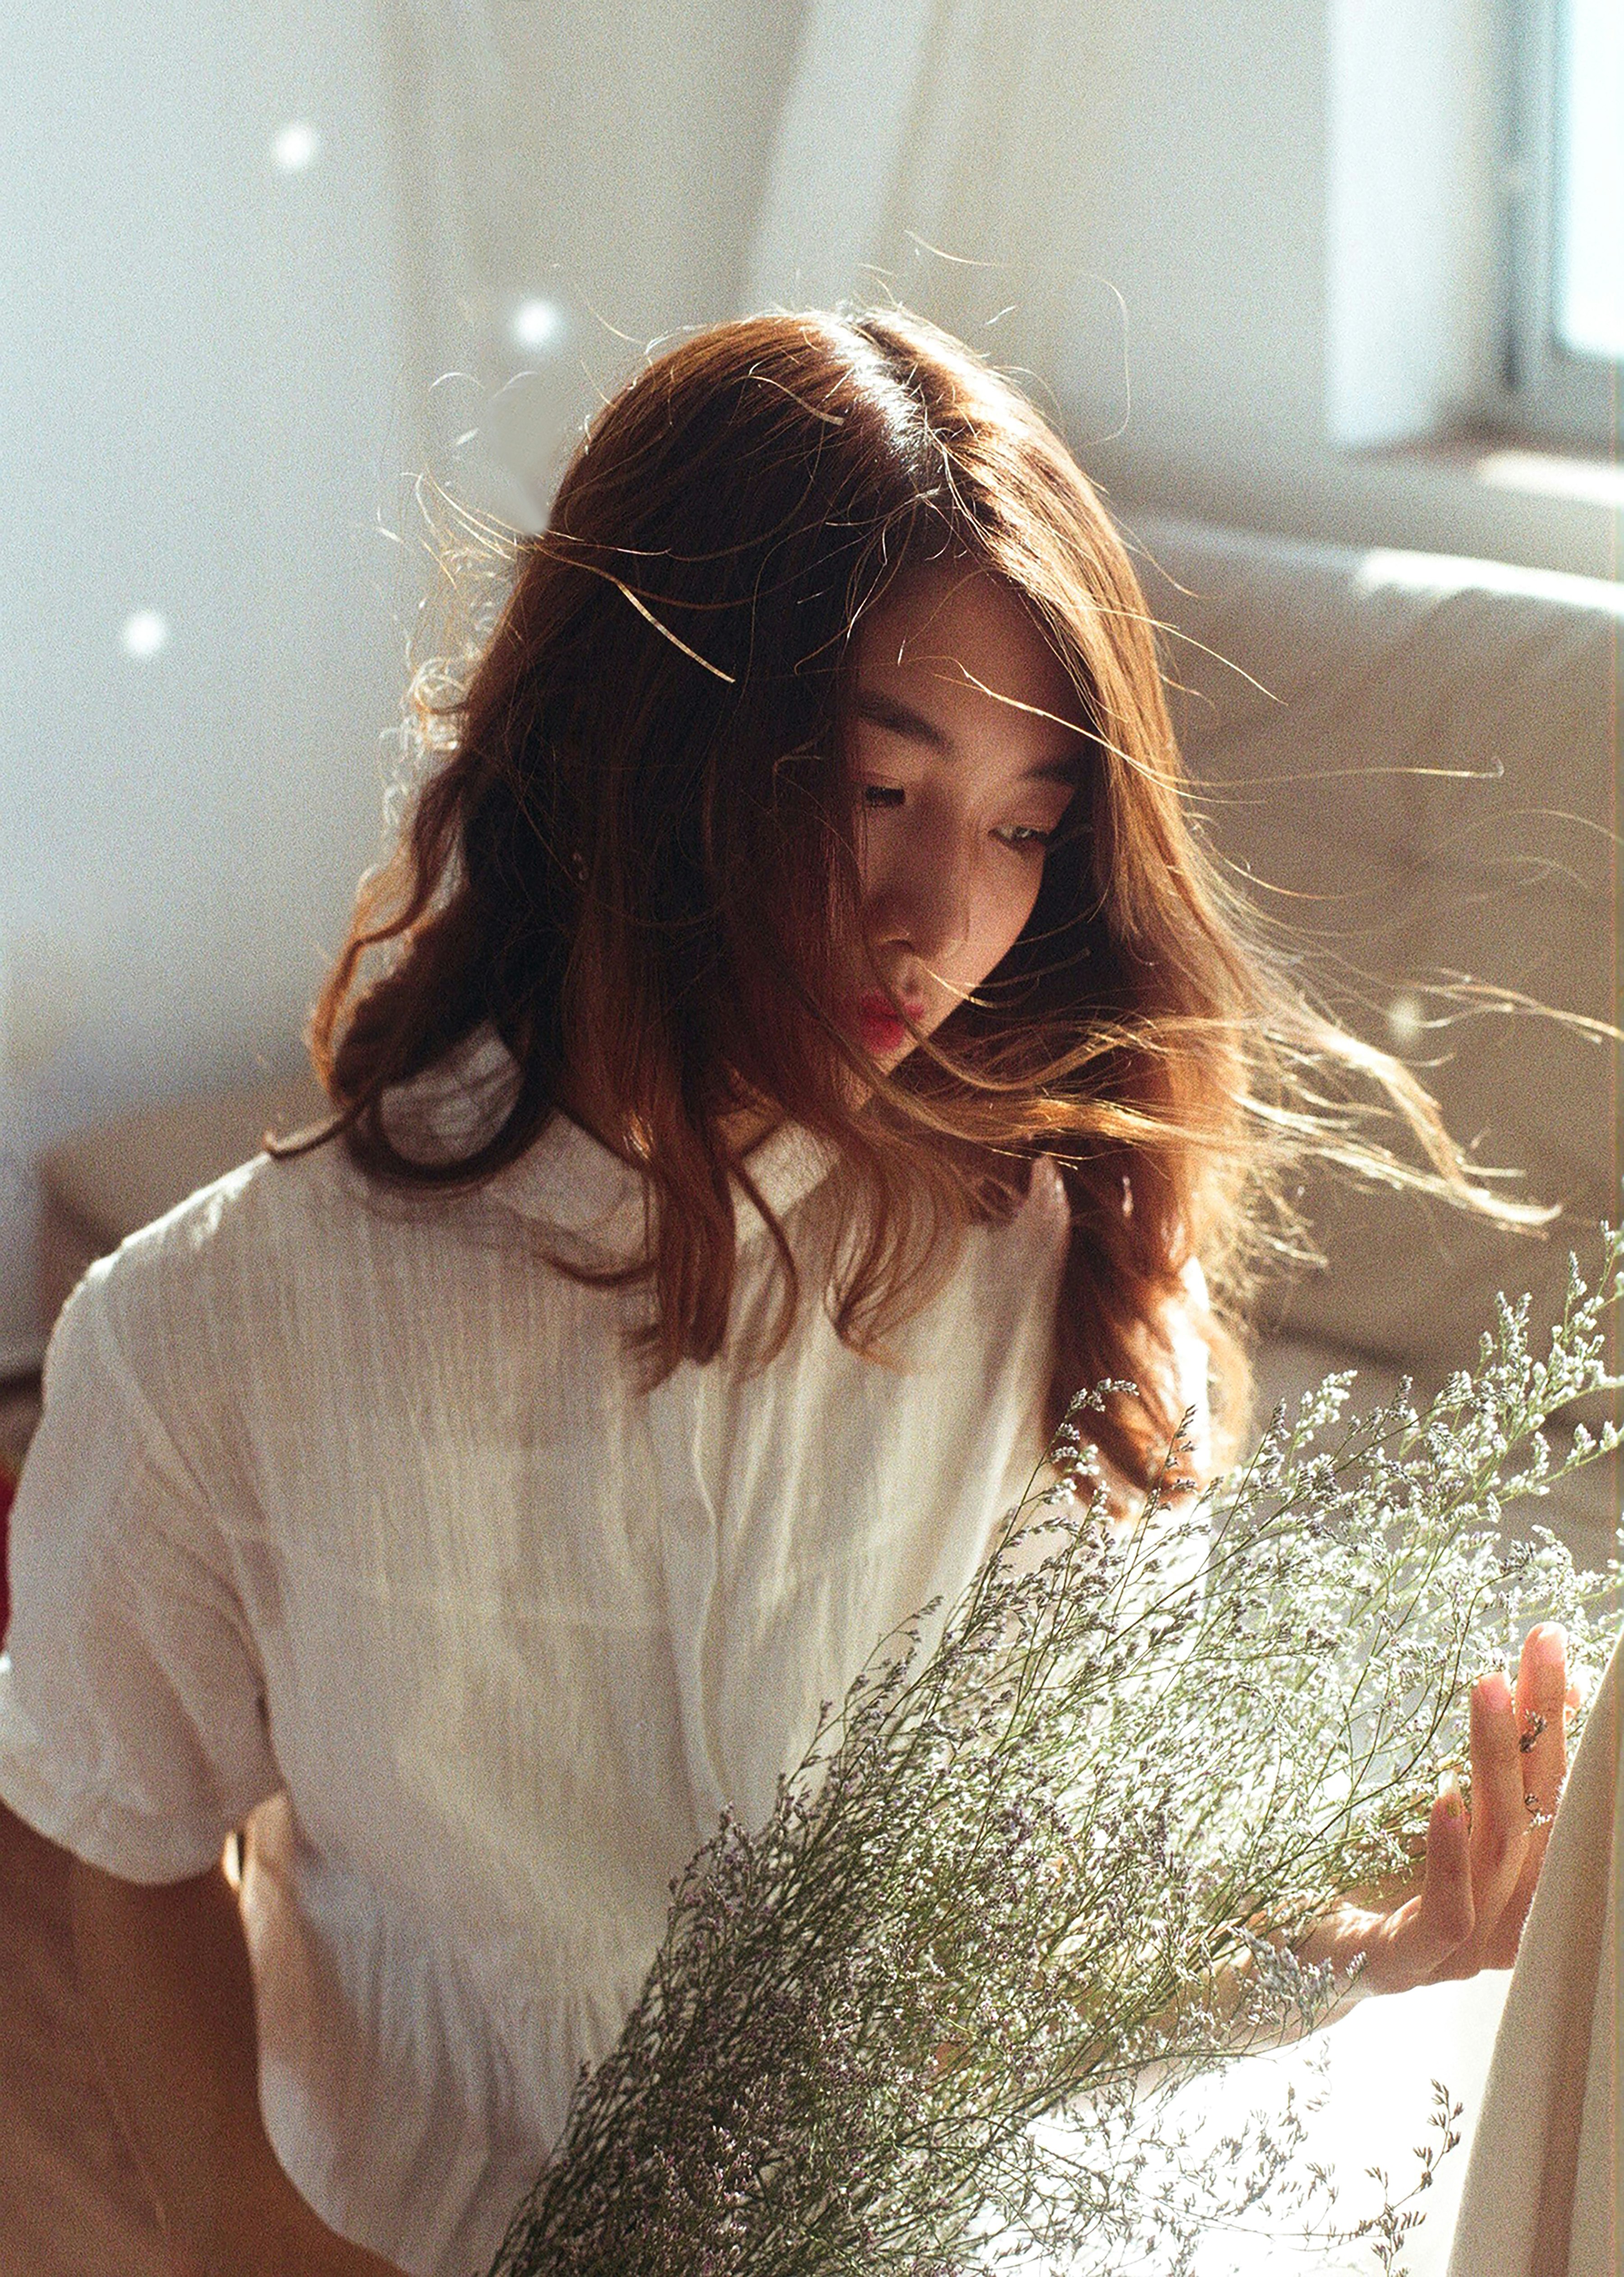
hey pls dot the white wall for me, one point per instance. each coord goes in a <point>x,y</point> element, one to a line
<point>1213,185</point>
<point>216,382</point>
<point>199,369</point>
<point>1416,215</point>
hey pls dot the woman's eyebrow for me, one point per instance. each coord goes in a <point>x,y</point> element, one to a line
<point>902,719</point>
<point>1067,771</point>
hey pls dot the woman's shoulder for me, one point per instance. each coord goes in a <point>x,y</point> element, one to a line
<point>184,1288</point>
<point>992,1313</point>
<point>245,1218</point>
<point>310,1214</point>
<point>157,1332</point>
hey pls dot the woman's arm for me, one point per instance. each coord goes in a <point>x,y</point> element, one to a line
<point>169,2001</point>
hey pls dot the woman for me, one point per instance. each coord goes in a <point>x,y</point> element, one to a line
<point>798,1041</point>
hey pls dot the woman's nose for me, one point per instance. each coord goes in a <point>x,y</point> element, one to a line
<point>925,904</point>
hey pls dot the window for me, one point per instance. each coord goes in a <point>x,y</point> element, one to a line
<point>1565,332</point>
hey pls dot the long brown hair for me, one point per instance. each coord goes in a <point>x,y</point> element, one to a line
<point>631,856</point>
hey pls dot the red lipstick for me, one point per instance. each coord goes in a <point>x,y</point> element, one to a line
<point>880,1028</point>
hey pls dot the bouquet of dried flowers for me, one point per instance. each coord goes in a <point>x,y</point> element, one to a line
<point>1063,1841</point>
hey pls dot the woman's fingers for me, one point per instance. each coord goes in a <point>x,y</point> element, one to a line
<point>1479,1874</point>
<point>1446,1911</point>
<point>1541,1697</point>
<point>1499,1822</point>
<point>1413,1942</point>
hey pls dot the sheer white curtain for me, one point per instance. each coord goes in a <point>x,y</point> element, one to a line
<point>639,168</point>
<point>943,152</point>
<point>573,183</point>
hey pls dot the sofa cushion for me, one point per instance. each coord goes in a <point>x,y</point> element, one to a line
<point>1408,762</point>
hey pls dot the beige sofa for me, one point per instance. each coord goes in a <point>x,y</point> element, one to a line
<point>1412,762</point>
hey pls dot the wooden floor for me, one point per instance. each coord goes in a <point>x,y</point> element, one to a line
<point>72,2203</point>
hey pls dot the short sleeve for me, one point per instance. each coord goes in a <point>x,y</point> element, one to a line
<point>132,1726</point>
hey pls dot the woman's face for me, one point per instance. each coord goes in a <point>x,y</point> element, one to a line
<point>967,744</point>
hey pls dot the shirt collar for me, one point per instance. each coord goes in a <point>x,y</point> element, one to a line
<point>569,1179</point>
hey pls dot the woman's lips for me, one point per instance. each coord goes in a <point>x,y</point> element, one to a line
<point>881,1026</point>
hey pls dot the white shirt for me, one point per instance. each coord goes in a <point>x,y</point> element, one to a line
<point>349,1508</point>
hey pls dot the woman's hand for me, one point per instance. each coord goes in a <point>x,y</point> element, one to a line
<point>1467,1911</point>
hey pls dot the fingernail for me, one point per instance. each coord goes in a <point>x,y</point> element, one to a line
<point>1494,1691</point>
<point>1449,1794</point>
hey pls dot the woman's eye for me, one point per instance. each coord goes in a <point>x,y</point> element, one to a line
<point>1022,838</point>
<point>881,794</point>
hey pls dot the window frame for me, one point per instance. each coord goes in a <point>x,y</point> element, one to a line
<point>1544,389</point>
